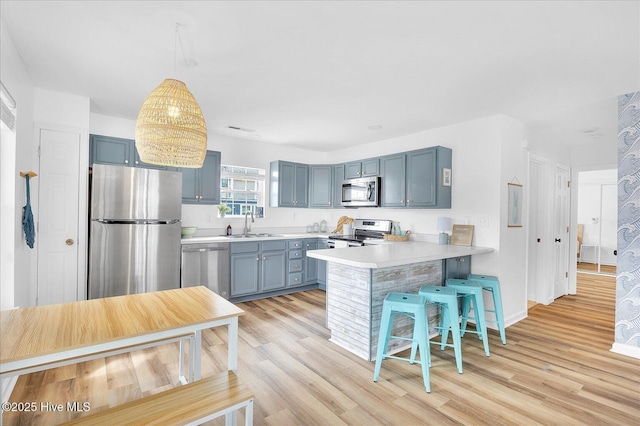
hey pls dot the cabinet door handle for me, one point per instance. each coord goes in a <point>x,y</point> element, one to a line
<point>258,258</point>
<point>264,258</point>
<point>558,240</point>
<point>126,161</point>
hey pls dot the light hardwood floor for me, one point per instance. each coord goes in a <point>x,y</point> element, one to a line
<point>557,369</point>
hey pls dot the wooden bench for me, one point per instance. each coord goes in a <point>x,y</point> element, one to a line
<point>193,403</point>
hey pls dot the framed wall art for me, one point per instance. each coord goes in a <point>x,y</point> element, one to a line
<point>446,177</point>
<point>514,214</point>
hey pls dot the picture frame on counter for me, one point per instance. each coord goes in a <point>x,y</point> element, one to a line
<point>446,177</point>
<point>514,215</point>
<point>462,235</point>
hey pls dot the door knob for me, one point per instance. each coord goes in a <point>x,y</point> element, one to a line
<point>69,242</point>
<point>557,240</point>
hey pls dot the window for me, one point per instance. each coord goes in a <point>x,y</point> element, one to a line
<point>242,189</point>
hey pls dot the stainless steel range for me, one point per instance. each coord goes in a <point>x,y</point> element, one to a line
<point>364,230</point>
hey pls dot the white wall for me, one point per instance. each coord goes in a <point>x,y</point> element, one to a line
<point>17,258</point>
<point>596,215</point>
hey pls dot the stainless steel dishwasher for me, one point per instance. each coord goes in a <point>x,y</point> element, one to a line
<point>206,264</point>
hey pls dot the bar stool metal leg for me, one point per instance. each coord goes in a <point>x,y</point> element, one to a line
<point>448,301</point>
<point>472,290</point>
<point>413,306</point>
<point>492,284</point>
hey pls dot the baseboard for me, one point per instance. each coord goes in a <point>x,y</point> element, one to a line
<point>7,386</point>
<point>510,320</point>
<point>632,351</point>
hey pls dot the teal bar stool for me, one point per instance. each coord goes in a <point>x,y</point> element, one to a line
<point>492,284</point>
<point>447,299</point>
<point>412,305</point>
<point>471,291</point>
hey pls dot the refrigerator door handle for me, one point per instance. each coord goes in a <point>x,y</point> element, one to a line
<point>138,222</point>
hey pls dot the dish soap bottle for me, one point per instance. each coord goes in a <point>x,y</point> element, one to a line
<point>228,229</point>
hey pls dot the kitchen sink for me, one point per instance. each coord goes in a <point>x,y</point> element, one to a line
<point>253,235</point>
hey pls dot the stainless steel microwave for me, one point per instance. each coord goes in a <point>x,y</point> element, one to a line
<point>361,192</point>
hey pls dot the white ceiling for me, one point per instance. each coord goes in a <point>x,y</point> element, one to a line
<point>317,74</point>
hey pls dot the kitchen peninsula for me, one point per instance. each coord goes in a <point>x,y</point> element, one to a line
<point>358,279</point>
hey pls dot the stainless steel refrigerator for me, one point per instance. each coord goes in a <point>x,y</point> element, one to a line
<point>134,242</point>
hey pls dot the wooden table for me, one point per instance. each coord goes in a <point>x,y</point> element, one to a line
<point>43,337</point>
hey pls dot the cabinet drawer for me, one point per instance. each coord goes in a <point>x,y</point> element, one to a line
<point>274,245</point>
<point>295,254</point>
<point>295,279</point>
<point>295,265</point>
<point>295,245</point>
<point>244,247</point>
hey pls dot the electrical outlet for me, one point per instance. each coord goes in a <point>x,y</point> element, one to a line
<point>483,222</point>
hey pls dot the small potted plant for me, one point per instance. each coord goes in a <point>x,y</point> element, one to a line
<point>222,210</point>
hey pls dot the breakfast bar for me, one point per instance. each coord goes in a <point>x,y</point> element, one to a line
<point>358,279</point>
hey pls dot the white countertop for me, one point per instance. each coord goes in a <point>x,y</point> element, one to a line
<point>398,254</point>
<point>222,238</point>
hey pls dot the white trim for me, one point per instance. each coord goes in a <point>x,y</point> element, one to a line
<point>628,350</point>
<point>7,386</point>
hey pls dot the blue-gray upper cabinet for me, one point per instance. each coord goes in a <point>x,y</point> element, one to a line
<point>358,169</point>
<point>108,150</point>
<point>393,174</point>
<point>320,186</point>
<point>338,177</point>
<point>117,151</point>
<point>414,179</point>
<point>289,184</point>
<point>202,185</point>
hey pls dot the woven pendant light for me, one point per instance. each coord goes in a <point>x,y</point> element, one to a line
<point>170,130</point>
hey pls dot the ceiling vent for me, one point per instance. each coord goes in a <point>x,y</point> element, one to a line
<point>241,129</point>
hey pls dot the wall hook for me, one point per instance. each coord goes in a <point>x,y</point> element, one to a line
<point>30,173</point>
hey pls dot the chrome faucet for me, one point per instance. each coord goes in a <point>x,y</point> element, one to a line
<point>247,229</point>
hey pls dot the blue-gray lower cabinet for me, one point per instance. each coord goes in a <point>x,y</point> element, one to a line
<point>310,268</point>
<point>457,267</point>
<point>258,267</point>
<point>270,268</point>
<point>322,264</point>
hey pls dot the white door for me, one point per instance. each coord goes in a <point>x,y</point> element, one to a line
<point>538,220</point>
<point>57,231</point>
<point>561,232</point>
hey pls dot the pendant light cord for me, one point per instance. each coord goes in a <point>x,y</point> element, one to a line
<point>178,40</point>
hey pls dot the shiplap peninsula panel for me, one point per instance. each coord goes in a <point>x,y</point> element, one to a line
<point>355,297</point>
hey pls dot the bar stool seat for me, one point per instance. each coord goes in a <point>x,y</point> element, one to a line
<point>471,291</point>
<point>447,299</point>
<point>412,305</point>
<point>492,284</point>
